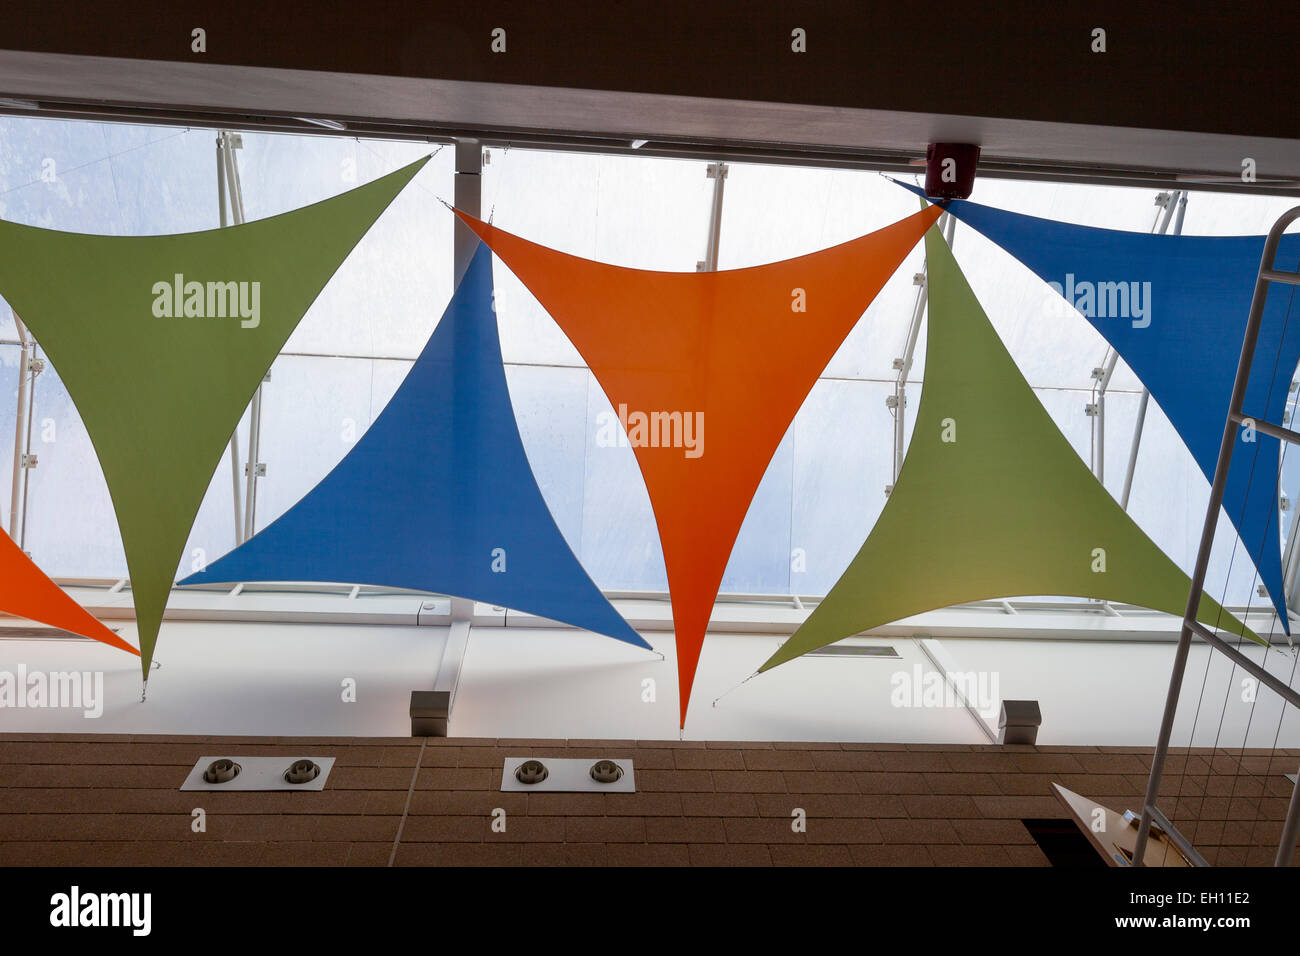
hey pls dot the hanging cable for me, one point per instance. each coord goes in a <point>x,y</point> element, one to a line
<point>1256,559</point>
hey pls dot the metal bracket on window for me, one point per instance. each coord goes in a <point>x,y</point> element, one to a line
<point>27,461</point>
<point>260,471</point>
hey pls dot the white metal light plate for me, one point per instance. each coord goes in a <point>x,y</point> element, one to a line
<point>259,773</point>
<point>567,775</point>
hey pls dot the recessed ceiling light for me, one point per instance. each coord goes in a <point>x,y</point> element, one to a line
<point>568,775</point>
<point>302,771</point>
<point>531,771</point>
<point>245,773</point>
<point>221,771</point>
<point>606,771</point>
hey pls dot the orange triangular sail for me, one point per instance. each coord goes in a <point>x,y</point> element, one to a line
<point>706,370</point>
<point>26,592</point>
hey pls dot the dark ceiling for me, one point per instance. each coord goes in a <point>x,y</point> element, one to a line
<point>1192,95</point>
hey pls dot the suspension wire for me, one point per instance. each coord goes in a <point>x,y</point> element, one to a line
<point>1285,447</point>
<point>1182,777</point>
<point>1277,734</point>
<point>1239,766</point>
<point>1196,716</point>
<point>1239,762</point>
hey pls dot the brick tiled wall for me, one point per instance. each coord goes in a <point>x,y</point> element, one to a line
<point>114,800</point>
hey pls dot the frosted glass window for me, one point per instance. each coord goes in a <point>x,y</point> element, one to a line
<point>825,486</point>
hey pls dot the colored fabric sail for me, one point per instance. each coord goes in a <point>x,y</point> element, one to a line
<point>736,351</point>
<point>1175,308</point>
<point>161,342</point>
<point>992,501</point>
<point>438,494</point>
<point>26,592</point>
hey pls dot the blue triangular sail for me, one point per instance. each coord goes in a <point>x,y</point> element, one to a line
<point>438,494</point>
<point>1186,345</point>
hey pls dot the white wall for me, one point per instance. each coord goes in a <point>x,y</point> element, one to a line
<point>1097,693</point>
<point>285,679</point>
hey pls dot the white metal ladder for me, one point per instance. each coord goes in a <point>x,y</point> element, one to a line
<point>1191,626</point>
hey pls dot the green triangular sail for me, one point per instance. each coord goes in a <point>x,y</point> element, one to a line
<point>161,393</point>
<point>1006,509</point>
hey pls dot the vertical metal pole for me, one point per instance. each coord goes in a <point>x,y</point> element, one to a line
<point>221,178</point>
<point>1171,200</point>
<point>904,366</point>
<point>254,451</point>
<point>234,438</point>
<point>32,369</point>
<point>431,711</point>
<point>235,191</point>
<point>20,420</point>
<point>467,194</point>
<point>1181,197</point>
<point>718,173</point>
<point>234,186</point>
<point>1138,425</point>
<point>1099,416</point>
<point>1230,426</point>
<point>947,223</point>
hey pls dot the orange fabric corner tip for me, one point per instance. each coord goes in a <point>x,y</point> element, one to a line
<point>472,221</point>
<point>26,592</point>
